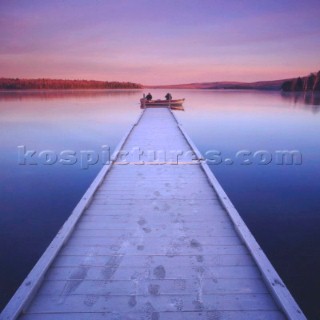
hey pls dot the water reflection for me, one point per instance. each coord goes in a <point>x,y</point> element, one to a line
<point>64,94</point>
<point>35,200</point>
<point>309,100</point>
<point>177,108</point>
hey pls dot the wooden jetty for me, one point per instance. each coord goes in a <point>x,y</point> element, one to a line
<point>154,239</point>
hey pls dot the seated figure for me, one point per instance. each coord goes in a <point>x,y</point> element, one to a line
<point>168,96</point>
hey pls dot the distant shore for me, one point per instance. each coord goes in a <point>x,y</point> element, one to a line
<point>60,84</point>
<point>311,83</point>
<point>227,85</point>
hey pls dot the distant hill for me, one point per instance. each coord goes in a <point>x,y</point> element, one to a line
<point>309,83</point>
<point>42,84</point>
<point>260,85</point>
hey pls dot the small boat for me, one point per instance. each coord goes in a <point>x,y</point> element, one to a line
<point>161,103</point>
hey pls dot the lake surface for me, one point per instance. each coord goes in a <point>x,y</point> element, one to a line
<point>279,202</point>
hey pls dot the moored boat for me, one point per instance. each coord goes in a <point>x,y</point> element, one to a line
<point>161,103</point>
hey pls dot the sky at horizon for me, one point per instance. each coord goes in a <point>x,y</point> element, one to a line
<point>159,42</point>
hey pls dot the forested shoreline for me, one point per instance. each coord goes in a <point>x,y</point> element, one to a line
<point>42,84</point>
<point>310,83</point>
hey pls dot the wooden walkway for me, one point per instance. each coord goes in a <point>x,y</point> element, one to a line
<point>152,241</point>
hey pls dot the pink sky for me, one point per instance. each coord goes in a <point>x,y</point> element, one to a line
<point>159,42</point>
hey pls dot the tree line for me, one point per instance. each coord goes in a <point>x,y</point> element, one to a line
<point>309,83</point>
<point>22,84</point>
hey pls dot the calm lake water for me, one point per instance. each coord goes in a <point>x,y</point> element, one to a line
<point>279,203</point>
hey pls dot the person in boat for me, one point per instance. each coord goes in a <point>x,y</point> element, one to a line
<point>168,96</point>
<point>149,96</point>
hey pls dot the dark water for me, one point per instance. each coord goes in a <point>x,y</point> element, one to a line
<point>280,203</point>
